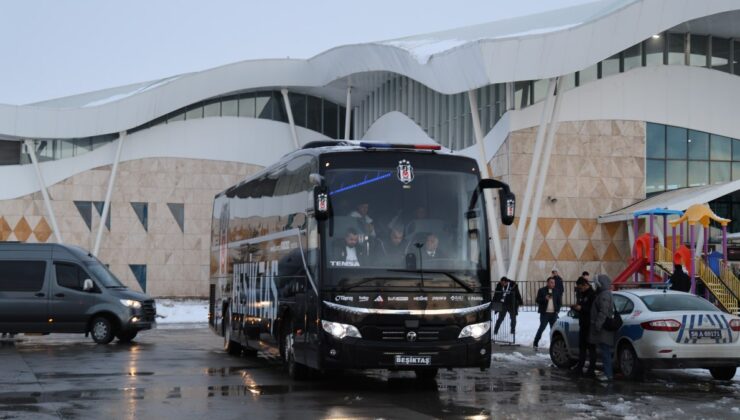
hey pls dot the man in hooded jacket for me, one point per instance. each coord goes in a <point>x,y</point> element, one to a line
<point>601,309</point>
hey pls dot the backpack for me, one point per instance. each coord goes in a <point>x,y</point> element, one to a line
<point>614,323</point>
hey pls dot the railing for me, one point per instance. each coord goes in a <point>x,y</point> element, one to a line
<point>529,289</point>
<point>716,286</point>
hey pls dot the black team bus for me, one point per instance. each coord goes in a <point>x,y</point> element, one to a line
<point>349,254</point>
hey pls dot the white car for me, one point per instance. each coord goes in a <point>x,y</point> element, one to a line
<point>662,330</point>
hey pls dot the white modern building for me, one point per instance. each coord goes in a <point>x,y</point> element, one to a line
<point>647,95</point>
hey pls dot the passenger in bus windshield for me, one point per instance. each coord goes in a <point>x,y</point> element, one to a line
<point>347,253</point>
<point>366,222</point>
<point>431,247</point>
<point>395,250</point>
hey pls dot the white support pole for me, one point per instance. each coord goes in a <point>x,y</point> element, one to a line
<point>631,235</point>
<point>42,185</point>
<point>289,110</point>
<point>533,167</point>
<point>108,194</point>
<point>549,143</point>
<point>348,113</point>
<point>490,207</point>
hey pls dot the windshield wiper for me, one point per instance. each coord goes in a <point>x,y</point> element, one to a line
<point>450,275</point>
<point>116,287</point>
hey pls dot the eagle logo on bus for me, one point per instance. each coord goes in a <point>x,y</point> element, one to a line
<point>405,172</point>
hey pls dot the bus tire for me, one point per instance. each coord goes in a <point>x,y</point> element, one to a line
<point>230,346</point>
<point>295,370</point>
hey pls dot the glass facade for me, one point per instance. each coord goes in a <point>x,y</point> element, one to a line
<point>679,158</point>
<point>311,112</point>
<point>53,149</point>
<point>445,118</point>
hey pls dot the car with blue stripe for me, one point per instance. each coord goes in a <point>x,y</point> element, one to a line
<point>662,329</point>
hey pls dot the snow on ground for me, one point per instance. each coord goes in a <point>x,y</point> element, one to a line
<point>188,311</point>
<point>526,328</point>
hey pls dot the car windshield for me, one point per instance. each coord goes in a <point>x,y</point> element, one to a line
<point>103,275</point>
<point>387,218</point>
<point>677,302</point>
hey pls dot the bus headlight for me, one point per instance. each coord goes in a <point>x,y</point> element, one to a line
<point>131,303</point>
<point>340,330</point>
<point>475,330</point>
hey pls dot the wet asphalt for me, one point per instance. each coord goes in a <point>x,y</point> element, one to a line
<point>182,373</point>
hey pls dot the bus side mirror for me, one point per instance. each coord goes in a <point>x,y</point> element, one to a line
<point>321,205</point>
<point>507,201</point>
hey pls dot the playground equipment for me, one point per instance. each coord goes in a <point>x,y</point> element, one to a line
<point>655,262</point>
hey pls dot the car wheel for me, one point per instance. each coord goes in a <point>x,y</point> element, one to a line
<point>230,346</point>
<point>101,330</point>
<point>723,373</point>
<point>559,352</point>
<point>426,375</point>
<point>629,364</point>
<point>296,370</point>
<point>126,336</point>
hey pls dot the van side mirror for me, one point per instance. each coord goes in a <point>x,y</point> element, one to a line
<point>88,285</point>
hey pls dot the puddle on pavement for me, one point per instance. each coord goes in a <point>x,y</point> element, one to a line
<point>70,375</point>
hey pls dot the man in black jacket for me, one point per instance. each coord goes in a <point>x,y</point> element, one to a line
<point>584,299</point>
<point>507,298</point>
<point>680,281</point>
<point>549,300</point>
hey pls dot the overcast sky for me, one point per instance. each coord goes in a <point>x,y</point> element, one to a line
<point>53,48</point>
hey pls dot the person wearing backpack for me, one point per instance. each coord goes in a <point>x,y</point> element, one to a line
<point>602,319</point>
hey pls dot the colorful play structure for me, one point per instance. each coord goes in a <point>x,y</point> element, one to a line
<point>653,262</point>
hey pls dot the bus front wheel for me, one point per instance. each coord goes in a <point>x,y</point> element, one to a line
<point>296,370</point>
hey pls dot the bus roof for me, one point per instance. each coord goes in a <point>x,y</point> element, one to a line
<point>321,147</point>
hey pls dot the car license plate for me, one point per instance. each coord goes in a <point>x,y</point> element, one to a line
<point>413,360</point>
<point>705,334</point>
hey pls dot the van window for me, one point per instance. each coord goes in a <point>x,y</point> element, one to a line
<point>22,276</point>
<point>70,276</point>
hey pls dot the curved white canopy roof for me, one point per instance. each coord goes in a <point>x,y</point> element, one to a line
<point>679,199</point>
<point>524,48</point>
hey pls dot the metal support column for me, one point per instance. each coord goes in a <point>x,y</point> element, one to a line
<point>692,272</point>
<point>490,207</point>
<point>651,249</point>
<point>348,113</point>
<point>552,128</point>
<point>289,110</point>
<point>42,185</point>
<point>109,193</point>
<point>533,170</point>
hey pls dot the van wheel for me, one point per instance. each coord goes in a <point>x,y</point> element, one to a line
<point>296,370</point>
<point>629,364</point>
<point>230,346</point>
<point>723,373</point>
<point>101,330</point>
<point>126,336</point>
<point>559,353</point>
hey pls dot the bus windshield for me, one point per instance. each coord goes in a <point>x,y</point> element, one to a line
<point>404,218</point>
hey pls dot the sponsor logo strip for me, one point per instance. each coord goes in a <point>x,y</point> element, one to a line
<point>456,311</point>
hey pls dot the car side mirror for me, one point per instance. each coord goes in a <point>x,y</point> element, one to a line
<point>88,285</point>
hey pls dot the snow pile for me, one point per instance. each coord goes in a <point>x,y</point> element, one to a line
<point>191,311</point>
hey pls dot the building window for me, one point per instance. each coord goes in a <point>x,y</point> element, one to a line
<point>632,57</point>
<point>691,158</point>
<point>699,46</point>
<point>655,50</point>
<point>720,54</point>
<point>610,66</point>
<point>676,49</point>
